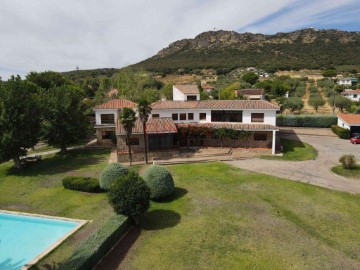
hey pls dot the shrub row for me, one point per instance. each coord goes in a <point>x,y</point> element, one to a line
<point>343,133</point>
<point>321,121</point>
<point>93,249</point>
<point>86,184</point>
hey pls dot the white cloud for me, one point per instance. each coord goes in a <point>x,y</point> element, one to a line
<point>60,35</point>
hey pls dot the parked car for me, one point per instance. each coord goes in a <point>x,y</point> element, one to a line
<point>355,139</point>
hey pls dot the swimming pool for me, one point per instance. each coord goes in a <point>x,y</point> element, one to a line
<point>24,239</point>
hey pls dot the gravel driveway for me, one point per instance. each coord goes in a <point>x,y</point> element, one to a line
<point>316,172</point>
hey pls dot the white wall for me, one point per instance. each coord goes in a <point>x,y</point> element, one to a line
<point>344,82</point>
<point>269,115</point>
<point>342,124</point>
<point>178,95</point>
<point>98,113</point>
<point>352,98</point>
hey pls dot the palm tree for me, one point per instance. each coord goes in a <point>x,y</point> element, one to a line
<point>127,119</point>
<point>144,110</point>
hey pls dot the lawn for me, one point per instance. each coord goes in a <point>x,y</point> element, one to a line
<point>353,173</point>
<point>38,189</point>
<point>222,217</point>
<point>295,150</point>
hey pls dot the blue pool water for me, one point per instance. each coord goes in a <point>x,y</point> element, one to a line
<point>22,238</point>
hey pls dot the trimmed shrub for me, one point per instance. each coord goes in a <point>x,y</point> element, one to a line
<point>112,172</point>
<point>348,161</point>
<point>160,182</point>
<point>321,121</point>
<point>343,133</point>
<point>94,248</point>
<point>129,195</point>
<point>86,184</point>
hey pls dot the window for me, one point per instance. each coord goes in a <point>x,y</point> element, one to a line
<point>202,116</point>
<point>133,141</point>
<point>355,95</point>
<point>182,116</point>
<point>226,116</point>
<point>107,119</point>
<point>190,116</point>
<point>155,115</point>
<point>260,136</point>
<point>190,98</point>
<point>175,116</point>
<point>257,117</point>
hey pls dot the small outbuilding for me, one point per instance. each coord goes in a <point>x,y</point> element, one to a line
<point>350,121</point>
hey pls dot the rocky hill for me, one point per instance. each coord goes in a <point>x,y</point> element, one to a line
<point>226,50</point>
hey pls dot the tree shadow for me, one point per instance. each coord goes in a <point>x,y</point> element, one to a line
<point>177,194</point>
<point>74,159</point>
<point>159,219</point>
<point>113,259</point>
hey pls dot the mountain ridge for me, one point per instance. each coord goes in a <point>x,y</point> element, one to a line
<point>304,48</point>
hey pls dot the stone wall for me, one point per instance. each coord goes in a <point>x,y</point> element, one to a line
<point>140,156</point>
<point>99,135</point>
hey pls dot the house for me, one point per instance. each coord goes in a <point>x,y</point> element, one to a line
<point>187,121</point>
<point>106,116</point>
<point>353,95</point>
<point>207,88</point>
<point>251,94</point>
<point>347,81</point>
<point>350,121</point>
<point>186,92</point>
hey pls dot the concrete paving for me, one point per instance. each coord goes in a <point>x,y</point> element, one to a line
<point>315,172</point>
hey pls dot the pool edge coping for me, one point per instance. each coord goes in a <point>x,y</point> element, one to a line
<point>36,259</point>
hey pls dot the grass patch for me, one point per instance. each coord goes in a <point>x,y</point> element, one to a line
<point>353,173</point>
<point>38,189</point>
<point>295,150</point>
<point>222,217</point>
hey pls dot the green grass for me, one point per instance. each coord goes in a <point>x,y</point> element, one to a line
<point>353,173</point>
<point>38,189</point>
<point>222,217</point>
<point>295,151</point>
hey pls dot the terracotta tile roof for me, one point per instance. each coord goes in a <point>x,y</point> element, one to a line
<point>236,126</point>
<point>350,118</point>
<point>215,104</point>
<point>116,104</point>
<point>346,92</point>
<point>169,104</point>
<point>154,126</point>
<point>250,91</point>
<point>187,88</point>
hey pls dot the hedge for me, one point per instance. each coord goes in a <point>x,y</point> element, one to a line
<point>343,133</point>
<point>86,184</point>
<point>320,121</point>
<point>94,248</point>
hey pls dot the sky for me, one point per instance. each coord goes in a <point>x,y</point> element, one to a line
<point>41,35</point>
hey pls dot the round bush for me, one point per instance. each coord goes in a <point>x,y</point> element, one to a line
<point>86,184</point>
<point>111,173</point>
<point>160,182</point>
<point>129,195</point>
